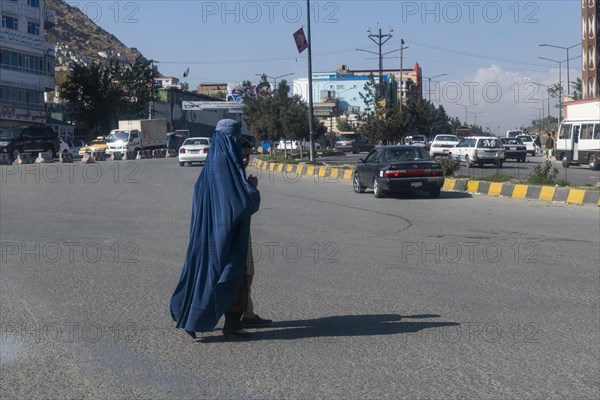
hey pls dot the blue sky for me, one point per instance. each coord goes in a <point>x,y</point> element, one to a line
<point>486,48</point>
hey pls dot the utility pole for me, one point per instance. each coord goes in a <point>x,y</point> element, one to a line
<point>401,72</point>
<point>380,42</point>
<point>310,87</point>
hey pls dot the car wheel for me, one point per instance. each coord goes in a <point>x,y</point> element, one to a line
<point>377,191</point>
<point>593,162</point>
<point>181,164</point>
<point>358,188</point>
<point>468,162</point>
<point>434,193</point>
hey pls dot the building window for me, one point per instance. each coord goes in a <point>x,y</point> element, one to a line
<point>33,28</point>
<point>10,22</point>
<point>33,3</point>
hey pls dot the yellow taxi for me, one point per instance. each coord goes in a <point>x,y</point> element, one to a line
<point>97,144</point>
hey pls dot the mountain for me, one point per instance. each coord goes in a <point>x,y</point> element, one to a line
<point>78,38</point>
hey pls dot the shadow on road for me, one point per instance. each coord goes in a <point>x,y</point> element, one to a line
<point>424,195</point>
<point>338,326</point>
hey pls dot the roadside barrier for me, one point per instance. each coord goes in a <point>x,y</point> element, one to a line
<point>44,157</point>
<point>170,153</point>
<point>158,153</point>
<point>143,154</point>
<point>5,159</point>
<point>65,157</point>
<point>504,189</point>
<point>22,158</point>
<point>116,156</point>
<point>128,155</point>
<point>87,158</point>
<point>99,155</point>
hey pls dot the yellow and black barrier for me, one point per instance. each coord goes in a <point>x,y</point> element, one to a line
<point>517,191</point>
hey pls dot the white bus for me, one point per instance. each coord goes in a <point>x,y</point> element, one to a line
<point>579,142</point>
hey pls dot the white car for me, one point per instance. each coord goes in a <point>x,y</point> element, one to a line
<point>479,150</point>
<point>295,144</point>
<point>194,150</point>
<point>416,140</point>
<point>76,145</point>
<point>442,144</point>
<point>529,143</point>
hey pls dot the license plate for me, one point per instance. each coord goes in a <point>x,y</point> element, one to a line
<point>512,148</point>
<point>445,151</point>
<point>194,151</point>
<point>416,184</point>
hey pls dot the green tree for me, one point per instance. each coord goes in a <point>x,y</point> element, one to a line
<point>577,86</point>
<point>279,116</point>
<point>108,92</point>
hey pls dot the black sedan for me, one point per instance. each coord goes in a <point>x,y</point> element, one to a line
<point>514,148</point>
<point>394,169</point>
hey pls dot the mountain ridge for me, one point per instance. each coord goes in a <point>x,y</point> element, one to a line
<point>79,39</point>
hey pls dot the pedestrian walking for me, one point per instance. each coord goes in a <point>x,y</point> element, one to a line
<point>213,281</point>
<point>549,145</point>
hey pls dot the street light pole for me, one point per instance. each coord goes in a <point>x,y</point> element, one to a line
<point>466,108</point>
<point>429,84</point>
<point>275,78</point>
<point>567,49</point>
<point>475,114</point>
<point>559,83</point>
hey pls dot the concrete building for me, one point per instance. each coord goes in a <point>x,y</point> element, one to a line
<point>165,82</point>
<point>26,61</point>
<point>412,79</point>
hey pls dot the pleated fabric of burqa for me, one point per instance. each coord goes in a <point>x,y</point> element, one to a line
<point>220,227</point>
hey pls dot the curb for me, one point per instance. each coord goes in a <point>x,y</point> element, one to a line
<point>516,191</point>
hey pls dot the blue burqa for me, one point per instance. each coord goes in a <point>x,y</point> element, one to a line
<point>216,256</point>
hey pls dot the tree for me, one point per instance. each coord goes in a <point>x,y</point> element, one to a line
<point>577,86</point>
<point>279,116</point>
<point>108,92</point>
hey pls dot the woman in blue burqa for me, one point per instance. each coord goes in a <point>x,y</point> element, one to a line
<point>213,281</point>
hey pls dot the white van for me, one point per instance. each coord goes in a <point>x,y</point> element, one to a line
<point>513,133</point>
<point>579,143</point>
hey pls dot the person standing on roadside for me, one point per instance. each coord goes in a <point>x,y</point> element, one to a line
<point>549,145</point>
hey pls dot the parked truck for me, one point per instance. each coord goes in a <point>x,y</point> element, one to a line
<point>138,134</point>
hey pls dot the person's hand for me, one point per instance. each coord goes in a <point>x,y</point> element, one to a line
<point>253,180</point>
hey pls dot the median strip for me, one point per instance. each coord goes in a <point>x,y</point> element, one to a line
<point>517,191</point>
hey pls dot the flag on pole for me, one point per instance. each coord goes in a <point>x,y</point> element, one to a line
<point>300,38</point>
<point>186,72</point>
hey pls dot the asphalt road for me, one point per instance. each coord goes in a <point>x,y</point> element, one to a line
<point>468,297</point>
<point>580,175</point>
